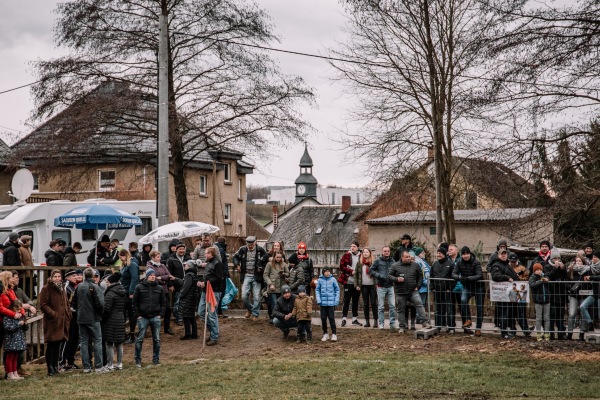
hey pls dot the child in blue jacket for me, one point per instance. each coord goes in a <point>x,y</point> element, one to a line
<point>328,297</point>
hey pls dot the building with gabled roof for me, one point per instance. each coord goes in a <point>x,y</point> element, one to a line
<point>104,145</point>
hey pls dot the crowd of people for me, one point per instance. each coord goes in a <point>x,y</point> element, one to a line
<point>98,313</point>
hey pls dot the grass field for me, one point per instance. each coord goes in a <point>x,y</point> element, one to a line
<point>344,375</point>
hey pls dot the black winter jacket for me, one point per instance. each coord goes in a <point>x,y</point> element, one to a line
<point>54,258</point>
<point>239,258</point>
<point>307,266</point>
<point>560,284</point>
<point>12,256</point>
<point>441,272</point>
<point>540,290</point>
<point>502,272</point>
<point>149,299</point>
<point>89,302</point>
<point>412,274</point>
<point>468,272</point>
<point>113,318</point>
<point>215,274</point>
<point>380,271</point>
<point>101,257</point>
<point>283,307</point>
<point>175,266</point>
<point>188,302</point>
<point>70,258</point>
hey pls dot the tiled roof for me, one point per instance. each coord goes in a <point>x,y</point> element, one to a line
<point>320,227</point>
<point>491,215</point>
<point>4,152</point>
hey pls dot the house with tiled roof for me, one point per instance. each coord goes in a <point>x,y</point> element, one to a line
<point>105,145</point>
<point>490,201</point>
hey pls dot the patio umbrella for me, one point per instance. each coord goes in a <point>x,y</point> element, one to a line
<point>97,216</point>
<point>178,230</point>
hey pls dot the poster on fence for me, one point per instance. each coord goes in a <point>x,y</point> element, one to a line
<point>514,292</point>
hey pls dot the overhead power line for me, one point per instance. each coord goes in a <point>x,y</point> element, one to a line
<point>19,87</point>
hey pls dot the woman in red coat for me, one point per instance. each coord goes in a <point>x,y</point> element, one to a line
<point>57,317</point>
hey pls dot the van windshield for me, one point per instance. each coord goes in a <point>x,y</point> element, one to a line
<point>6,211</point>
<point>4,236</point>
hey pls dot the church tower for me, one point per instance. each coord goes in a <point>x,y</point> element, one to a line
<point>306,183</point>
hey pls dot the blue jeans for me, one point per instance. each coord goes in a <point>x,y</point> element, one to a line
<point>176,310</point>
<point>93,332</point>
<point>467,293</point>
<point>382,295</point>
<point>143,323</point>
<point>285,325</point>
<point>251,284</point>
<point>585,314</point>
<point>272,299</point>
<point>212,322</point>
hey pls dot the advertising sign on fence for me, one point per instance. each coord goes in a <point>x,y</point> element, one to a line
<point>514,292</point>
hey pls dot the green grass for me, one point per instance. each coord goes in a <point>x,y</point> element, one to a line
<point>373,375</point>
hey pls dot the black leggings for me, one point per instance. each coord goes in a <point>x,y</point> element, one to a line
<point>369,295</point>
<point>350,293</point>
<point>52,353</point>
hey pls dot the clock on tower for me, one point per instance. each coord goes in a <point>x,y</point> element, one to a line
<point>306,184</point>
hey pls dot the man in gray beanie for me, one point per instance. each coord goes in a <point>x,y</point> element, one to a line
<point>149,302</point>
<point>282,313</point>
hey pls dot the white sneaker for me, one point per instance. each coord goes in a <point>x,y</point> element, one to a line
<point>119,366</point>
<point>325,337</point>
<point>334,338</point>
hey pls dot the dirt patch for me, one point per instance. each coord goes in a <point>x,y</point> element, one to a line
<point>246,339</point>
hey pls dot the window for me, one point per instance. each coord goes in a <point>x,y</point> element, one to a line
<point>357,198</point>
<point>36,186</point>
<point>227,176</point>
<point>432,230</point>
<point>62,234</point>
<point>106,180</point>
<point>203,185</point>
<point>145,228</point>
<point>88,234</point>
<point>333,198</point>
<point>471,200</point>
<point>240,189</point>
<point>227,213</point>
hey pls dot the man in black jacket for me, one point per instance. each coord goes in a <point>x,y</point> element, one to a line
<point>215,274</point>
<point>175,267</point>
<point>441,282</point>
<point>282,313</point>
<point>54,255</point>
<point>408,277</point>
<point>406,245</point>
<point>248,262</point>
<point>503,272</point>
<point>89,303</point>
<point>100,255</point>
<point>468,271</point>
<point>149,303</point>
<point>385,289</point>
<point>12,256</point>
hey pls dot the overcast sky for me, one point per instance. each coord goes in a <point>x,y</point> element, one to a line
<point>308,26</point>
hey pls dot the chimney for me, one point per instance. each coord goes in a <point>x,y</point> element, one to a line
<point>275,211</point>
<point>346,201</point>
<point>430,154</point>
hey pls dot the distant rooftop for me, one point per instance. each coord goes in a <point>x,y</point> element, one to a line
<point>491,215</point>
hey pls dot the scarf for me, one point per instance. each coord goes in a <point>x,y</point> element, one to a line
<point>544,256</point>
<point>302,257</point>
<point>59,285</point>
<point>595,269</point>
<point>366,263</point>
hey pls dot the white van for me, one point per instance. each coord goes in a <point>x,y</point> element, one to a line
<point>37,221</point>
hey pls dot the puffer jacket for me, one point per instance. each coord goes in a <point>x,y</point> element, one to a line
<point>380,271</point>
<point>413,277</point>
<point>149,299</point>
<point>441,275</point>
<point>540,290</point>
<point>306,264</point>
<point>469,273</point>
<point>188,300</point>
<point>303,308</point>
<point>296,278</point>
<point>502,272</point>
<point>54,258</point>
<point>113,318</point>
<point>275,275</point>
<point>327,291</point>
<point>284,306</point>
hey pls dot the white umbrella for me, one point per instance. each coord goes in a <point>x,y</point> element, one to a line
<point>178,230</point>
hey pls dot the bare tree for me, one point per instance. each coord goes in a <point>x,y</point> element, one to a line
<point>412,66</point>
<point>221,93</point>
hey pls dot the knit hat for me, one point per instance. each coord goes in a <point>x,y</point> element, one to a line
<point>502,242</point>
<point>114,278</point>
<point>444,244</point>
<point>545,242</point>
<point>301,289</point>
<point>537,266</point>
<point>589,244</point>
<point>443,250</point>
<point>70,272</point>
<point>149,272</point>
<point>554,253</point>
<point>301,245</point>
<point>418,250</point>
<point>406,236</point>
<point>105,239</point>
<point>13,236</point>
<point>465,250</point>
<point>285,289</point>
